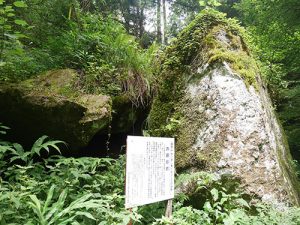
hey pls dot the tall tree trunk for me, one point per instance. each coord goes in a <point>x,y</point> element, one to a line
<point>164,40</point>
<point>137,20</point>
<point>158,21</point>
<point>126,16</point>
<point>141,22</point>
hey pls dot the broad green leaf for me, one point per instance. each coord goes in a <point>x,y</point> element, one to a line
<point>21,22</point>
<point>36,206</point>
<point>217,3</point>
<point>36,147</point>
<point>57,207</point>
<point>19,148</point>
<point>9,8</point>
<point>10,15</point>
<point>18,35</point>
<point>7,28</point>
<point>215,194</point>
<point>35,201</point>
<point>202,3</point>
<point>2,64</point>
<point>29,223</point>
<point>49,198</point>
<point>4,127</point>
<point>20,4</point>
<point>15,158</point>
<point>207,207</point>
<point>242,202</point>
<point>12,36</point>
<point>66,222</point>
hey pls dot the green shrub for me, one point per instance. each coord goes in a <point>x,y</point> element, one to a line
<point>60,190</point>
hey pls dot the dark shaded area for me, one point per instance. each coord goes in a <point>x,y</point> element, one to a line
<point>105,145</point>
<point>18,113</point>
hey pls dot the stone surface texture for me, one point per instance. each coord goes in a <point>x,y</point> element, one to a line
<point>238,122</point>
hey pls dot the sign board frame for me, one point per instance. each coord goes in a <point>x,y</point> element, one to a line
<point>150,169</point>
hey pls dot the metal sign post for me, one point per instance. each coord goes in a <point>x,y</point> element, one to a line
<point>149,171</point>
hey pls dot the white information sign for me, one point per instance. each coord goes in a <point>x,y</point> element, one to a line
<point>149,170</point>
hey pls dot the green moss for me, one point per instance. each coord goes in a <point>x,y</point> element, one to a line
<point>234,53</point>
<point>240,62</point>
<point>61,82</point>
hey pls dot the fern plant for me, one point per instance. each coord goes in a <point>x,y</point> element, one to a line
<point>3,129</point>
<point>18,152</point>
<point>50,212</point>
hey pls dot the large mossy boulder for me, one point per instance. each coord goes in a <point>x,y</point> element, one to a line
<point>212,99</point>
<point>53,104</point>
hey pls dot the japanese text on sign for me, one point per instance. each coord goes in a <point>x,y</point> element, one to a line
<point>149,170</point>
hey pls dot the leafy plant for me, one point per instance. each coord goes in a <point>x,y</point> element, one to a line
<point>209,3</point>
<point>17,152</point>
<point>56,212</point>
<point>10,29</point>
<point>3,129</point>
<point>60,190</point>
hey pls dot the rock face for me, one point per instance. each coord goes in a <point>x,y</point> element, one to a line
<point>212,99</point>
<point>51,104</point>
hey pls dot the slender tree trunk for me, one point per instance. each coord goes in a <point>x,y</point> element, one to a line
<point>164,40</point>
<point>126,16</point>
<point>141,22</point>
<point>158,21</point>
<point>137,20</point>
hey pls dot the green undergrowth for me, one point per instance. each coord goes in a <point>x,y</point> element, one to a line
<point>58,190</point>
<point>107,59</point>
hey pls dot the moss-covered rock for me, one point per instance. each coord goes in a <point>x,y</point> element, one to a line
<point>53,104</point>
<point>211,98</point>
